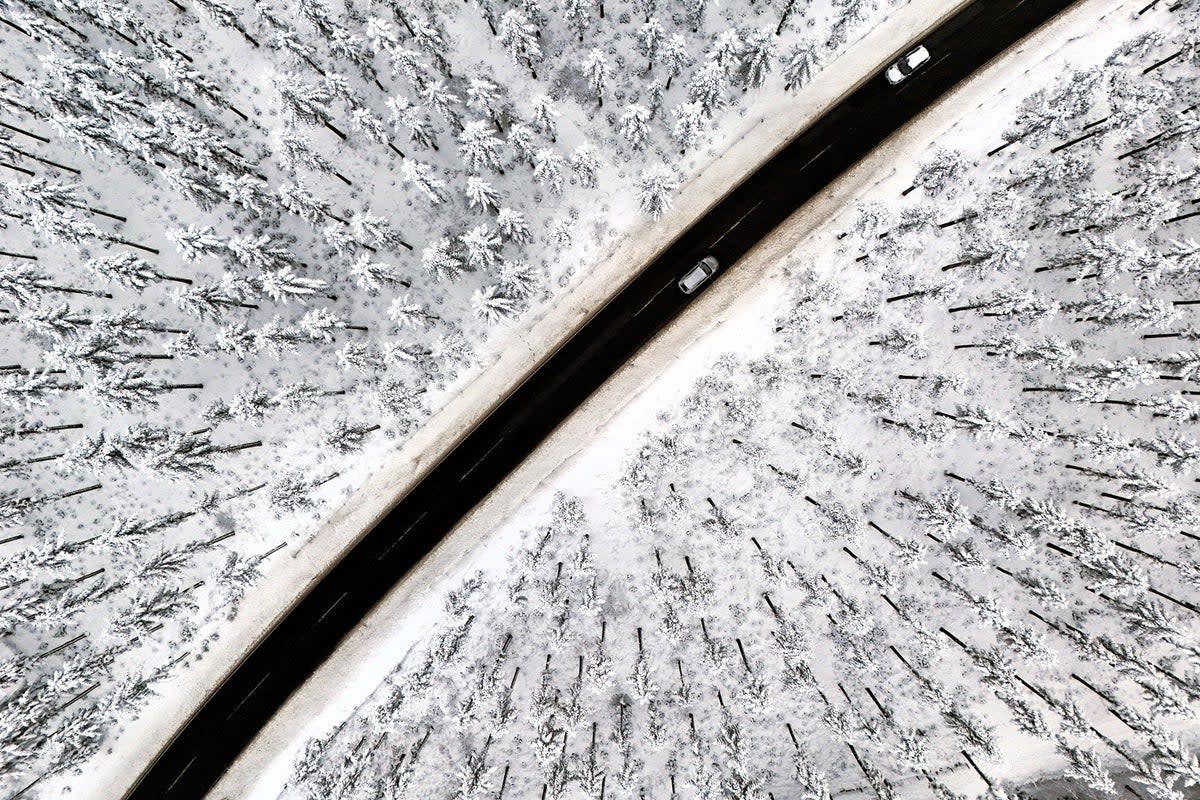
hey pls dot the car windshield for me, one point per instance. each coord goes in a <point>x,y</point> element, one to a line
<point>905,67</point>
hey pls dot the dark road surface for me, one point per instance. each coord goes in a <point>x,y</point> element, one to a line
<point>214,737</point>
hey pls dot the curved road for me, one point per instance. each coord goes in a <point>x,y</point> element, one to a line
<point>214,737</point>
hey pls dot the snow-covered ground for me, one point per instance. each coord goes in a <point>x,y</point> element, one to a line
<point>909,533</point>
<point>249,249</point>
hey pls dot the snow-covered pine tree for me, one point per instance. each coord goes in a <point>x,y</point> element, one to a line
<point>656,187</point>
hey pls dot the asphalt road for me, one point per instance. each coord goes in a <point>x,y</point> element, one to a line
<point>214,737</point>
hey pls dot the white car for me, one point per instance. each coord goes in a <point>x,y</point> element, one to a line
<point>698,274</point>
<point>907,65</point>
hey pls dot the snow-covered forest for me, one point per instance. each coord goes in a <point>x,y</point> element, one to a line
<point>248,248</point>
<point>929,531</point>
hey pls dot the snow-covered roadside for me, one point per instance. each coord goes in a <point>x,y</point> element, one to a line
<point>630,398</point>
<point>753,138</point>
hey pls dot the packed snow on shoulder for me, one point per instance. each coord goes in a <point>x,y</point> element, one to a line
<point>250,247</point>
<point>928,528</point>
